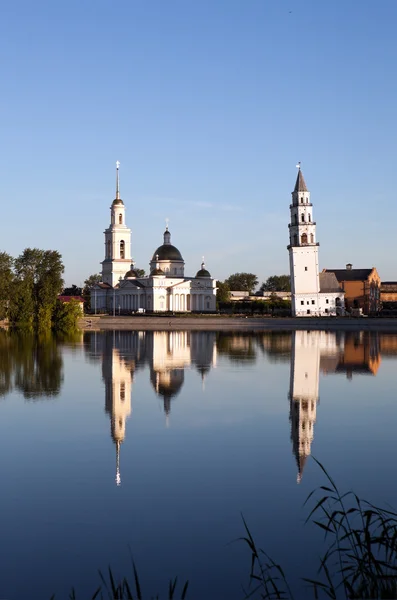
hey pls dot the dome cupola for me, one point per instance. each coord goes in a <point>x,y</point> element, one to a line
<point>203,271</point>
<point>131,274</point>
<point>169,258</point>
<point>157,271</point>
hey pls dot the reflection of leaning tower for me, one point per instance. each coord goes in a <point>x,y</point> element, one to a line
<point>117,374</point>
<point>304,382</point>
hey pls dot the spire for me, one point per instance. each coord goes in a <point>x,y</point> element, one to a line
<point>300,459</point>
<point>118,476</point>
<point>300,185</point>
<point>117,180</point>
<point>203,264</point>
<point>167,235</point>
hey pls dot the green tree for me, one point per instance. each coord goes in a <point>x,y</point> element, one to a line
<point>223,292</point>
<point>74,290</point>
<point>6,279</point>
<point>276,283</point>
<point>242,282</point>
<point>66,315</point>
<point>39,277</point>
<point>22,309</point>
<point>88,284</point>
<point>92,280</point>
<point>140,272</point>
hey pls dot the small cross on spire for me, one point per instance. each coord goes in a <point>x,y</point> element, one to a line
<point>117,180</point>
<point>298,166</point>
<point>166,223</point>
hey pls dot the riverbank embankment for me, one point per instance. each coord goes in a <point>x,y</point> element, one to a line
<point>226,323</point>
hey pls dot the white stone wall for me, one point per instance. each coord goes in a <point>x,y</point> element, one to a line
<point>304,269</point>
<point>158,294</point>
<point>114,266</point>
<point>319,305</point>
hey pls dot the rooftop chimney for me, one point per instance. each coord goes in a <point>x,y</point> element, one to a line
<point>349,267</point>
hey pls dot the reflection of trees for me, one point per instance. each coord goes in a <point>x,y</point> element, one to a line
<point>276,345</point>
<point>31,364</point>
<point>238,347</point>
<point>243,347</point>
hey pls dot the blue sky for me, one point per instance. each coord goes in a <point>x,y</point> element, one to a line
<point>208,105</point>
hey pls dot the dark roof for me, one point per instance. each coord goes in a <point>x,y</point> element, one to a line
<point>329,283</point>
<point>134,282</point>
<point>167,252</point>
<point>69,298</point>
<point>131,273</point>
<point>103,285</point>
<point>350,274</point>
<point>203,273</point>
<point>300,185</point>
<point>117,201</point>
<point>389,283</point>
<point>157,272</point>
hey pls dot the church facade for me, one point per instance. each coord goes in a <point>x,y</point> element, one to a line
<point>166,288</point>
<point>312,293</point>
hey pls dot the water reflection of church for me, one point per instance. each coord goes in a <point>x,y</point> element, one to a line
<point>332,353</point>
<point>166,353</point>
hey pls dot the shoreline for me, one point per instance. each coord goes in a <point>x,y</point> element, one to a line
<point>221,323</point>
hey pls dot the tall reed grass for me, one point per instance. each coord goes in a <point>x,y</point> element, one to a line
<point>359,561</point>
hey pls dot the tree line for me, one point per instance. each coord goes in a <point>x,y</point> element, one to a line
<point>29,288</point>
<point>247,282</point>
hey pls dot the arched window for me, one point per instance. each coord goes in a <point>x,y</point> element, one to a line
<point>122,249</point>
<point>303,218</point>
<point>301,200</point>
<point>295,240</point>
<point>311,238</point>
<point>304,238</point>
<point>120,219</point>
<point>309,217</point>
<point>109,249</point>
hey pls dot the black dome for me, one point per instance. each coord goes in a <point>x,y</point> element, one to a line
<point>117,201</point>
<point>203,273</point>
<point>167,252</point>
<point>157,272</point>
<point>130,274</point>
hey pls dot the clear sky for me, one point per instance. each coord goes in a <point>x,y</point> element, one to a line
<point>208,105</point>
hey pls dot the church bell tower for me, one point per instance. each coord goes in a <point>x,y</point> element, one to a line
<point>117,241</point>
<point>303,252</point>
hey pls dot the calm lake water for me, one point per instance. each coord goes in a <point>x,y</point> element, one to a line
<point>154,443</point>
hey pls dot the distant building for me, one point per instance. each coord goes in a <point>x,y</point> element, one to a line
<point>271,295</point>
<point>239,295</point>
<point>388,291</point>
<point>361,287</point>
<point>78,299</point>
<point>166,288</point>
<point>312,295</point>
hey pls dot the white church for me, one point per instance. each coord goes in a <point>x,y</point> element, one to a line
<point>166,288</point>
<point>312,293</point>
